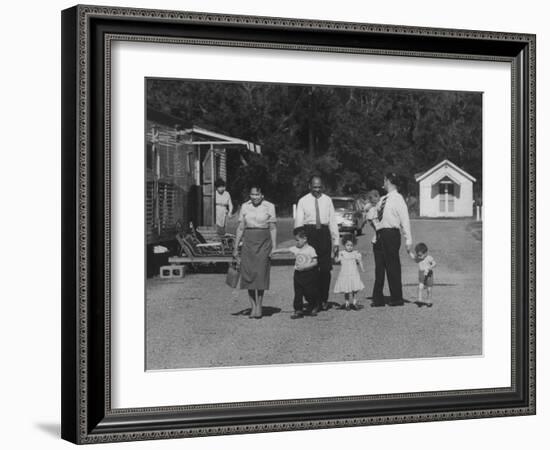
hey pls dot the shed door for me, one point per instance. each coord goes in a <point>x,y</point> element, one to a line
<point>451,198</point>
<point>446,197</point>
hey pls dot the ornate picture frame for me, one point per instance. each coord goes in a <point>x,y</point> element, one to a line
<point>88,33</point>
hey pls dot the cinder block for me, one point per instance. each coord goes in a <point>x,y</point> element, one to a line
<point>172,271</point>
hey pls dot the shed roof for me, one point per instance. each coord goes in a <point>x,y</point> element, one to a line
<point>445,162</point>
<point>197,135</point>
<point>202,136</point>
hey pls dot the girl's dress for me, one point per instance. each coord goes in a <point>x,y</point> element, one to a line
<point>348,278</point>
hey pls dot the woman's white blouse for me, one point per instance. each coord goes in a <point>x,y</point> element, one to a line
<point>257,216</point>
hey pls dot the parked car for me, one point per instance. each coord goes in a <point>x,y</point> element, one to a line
<point>349,216</point>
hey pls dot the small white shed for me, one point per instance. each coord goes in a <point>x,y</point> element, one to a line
<point>445,190</point>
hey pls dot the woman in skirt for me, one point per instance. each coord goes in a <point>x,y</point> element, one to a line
<point>258,233</point>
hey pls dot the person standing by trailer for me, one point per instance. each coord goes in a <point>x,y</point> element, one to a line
<point>315,212</point>
<point>224,206</point>
<point>393,218</point>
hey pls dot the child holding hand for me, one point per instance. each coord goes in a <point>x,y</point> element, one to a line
<point>426,264</point>
<point>349,281</point>
<point>306,274</point>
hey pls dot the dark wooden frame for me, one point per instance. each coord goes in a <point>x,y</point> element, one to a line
<point>87,31</point>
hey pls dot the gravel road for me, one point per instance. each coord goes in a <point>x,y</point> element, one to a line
<point>198,321</point>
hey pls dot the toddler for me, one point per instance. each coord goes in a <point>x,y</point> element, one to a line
<point>426,265</point>
<point>349,281</point>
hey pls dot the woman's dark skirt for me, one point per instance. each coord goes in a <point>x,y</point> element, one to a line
<point>255,262</point>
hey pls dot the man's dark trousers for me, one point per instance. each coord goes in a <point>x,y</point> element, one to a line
<point>387,263</point>
<point>321,240</point>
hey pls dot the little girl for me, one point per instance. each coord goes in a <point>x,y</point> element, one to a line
<point>349,281</point>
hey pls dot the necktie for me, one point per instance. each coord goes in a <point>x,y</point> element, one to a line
<point>317,214</point>
<point>381,210</point>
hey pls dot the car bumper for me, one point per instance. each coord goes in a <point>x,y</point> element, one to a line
<point>347,227</point>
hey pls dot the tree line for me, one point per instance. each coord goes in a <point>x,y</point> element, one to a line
<point>351,136</point>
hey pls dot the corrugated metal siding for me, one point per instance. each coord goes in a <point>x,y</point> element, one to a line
<point>174,182</point>
<point>173,194</point>
<point>149,208</point>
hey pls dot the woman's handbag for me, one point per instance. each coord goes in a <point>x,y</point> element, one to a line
<point>233,274</point>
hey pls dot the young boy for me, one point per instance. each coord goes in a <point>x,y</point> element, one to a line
<point>306,274</point>
<point>426,265</point>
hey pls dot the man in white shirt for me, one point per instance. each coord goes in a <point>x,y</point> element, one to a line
<point>315,212</point>
<point>393,218</point>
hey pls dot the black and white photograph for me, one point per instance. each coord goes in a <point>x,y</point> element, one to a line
<point>298,224</point>
<point>275,225</point>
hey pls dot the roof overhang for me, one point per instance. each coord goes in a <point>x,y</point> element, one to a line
<point>442,164</point>
<point>200,136</point>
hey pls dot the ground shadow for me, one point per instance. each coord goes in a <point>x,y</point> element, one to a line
<point>387,300</point>
<point>267,311</point>
<point>421,304</point>
<point>53,429</point>
<point>333,305</point>
<point>342,306</point>
<point>435,284</point>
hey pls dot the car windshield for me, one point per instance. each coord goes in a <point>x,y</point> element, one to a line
<point>340,203</point>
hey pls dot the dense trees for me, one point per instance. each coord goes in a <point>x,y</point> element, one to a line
<point>349,135</point>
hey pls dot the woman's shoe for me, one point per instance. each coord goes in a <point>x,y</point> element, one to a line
<point>257,312</point>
